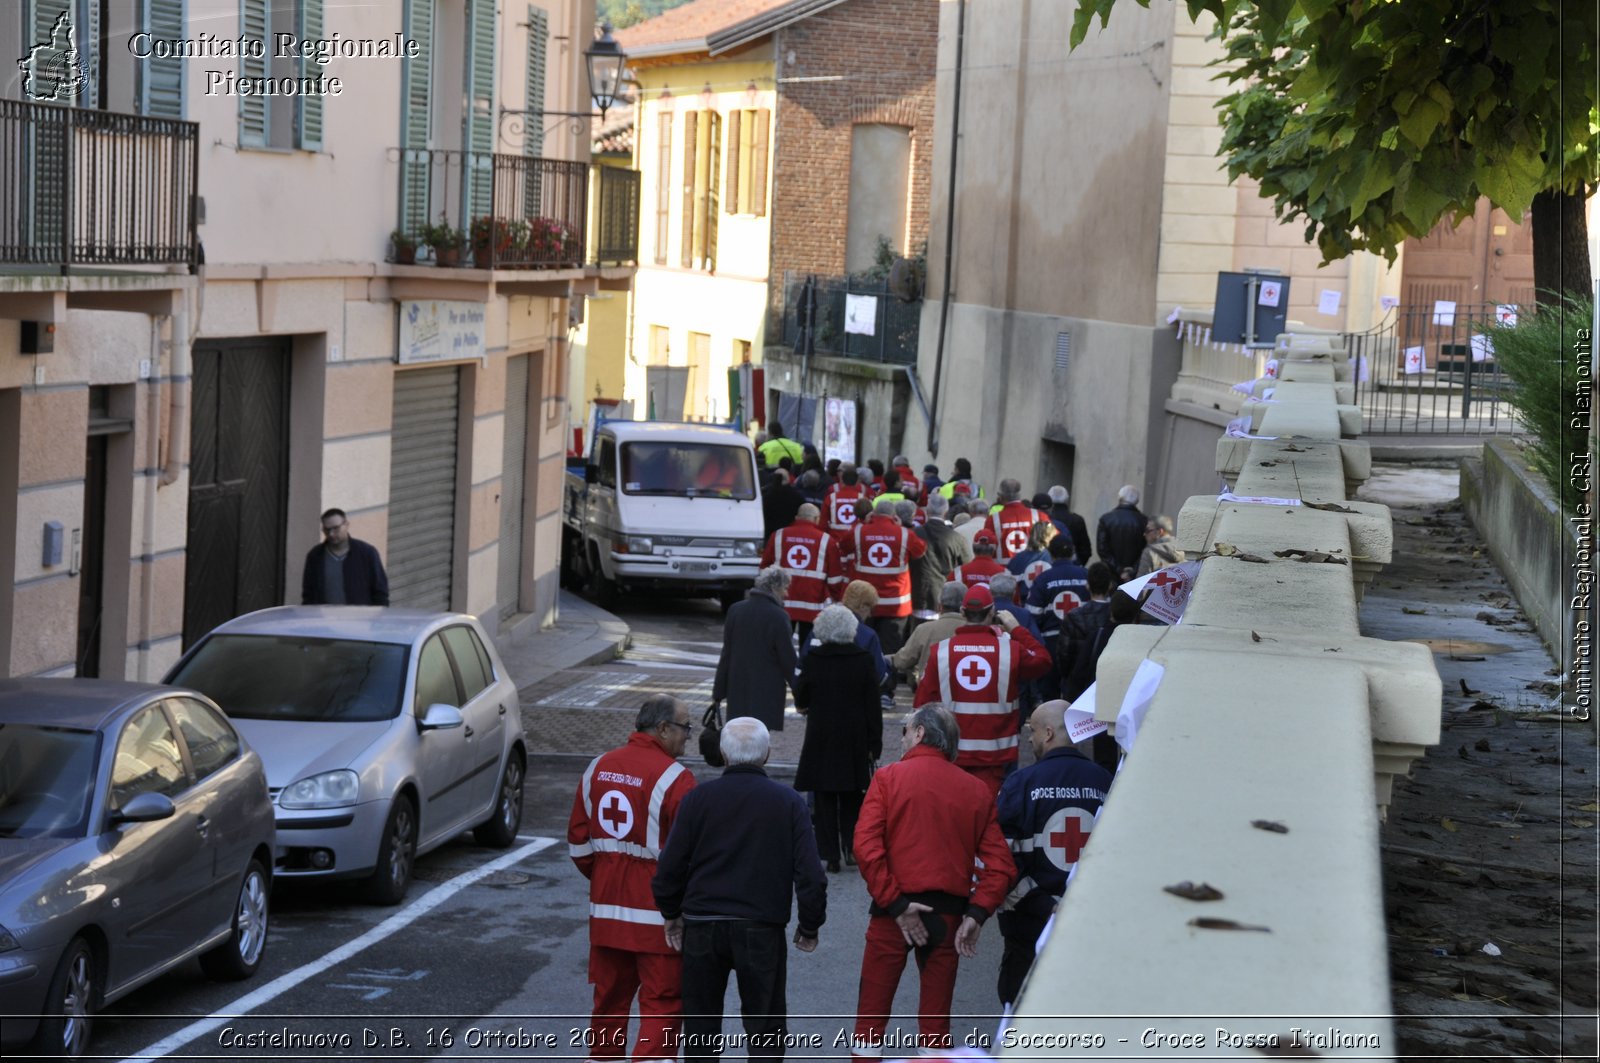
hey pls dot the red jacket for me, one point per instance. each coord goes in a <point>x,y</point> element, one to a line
<point>882,552</point>
<point>620,819</point>
<point>980,570</point>
<point>1011,524</point>
<point>839,506</point>
<point>924,826</point>
<point>811,557</point>
<point>976,673</point>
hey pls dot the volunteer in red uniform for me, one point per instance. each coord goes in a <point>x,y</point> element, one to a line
<point>910,485</point>
<point>1013,519</point>
<point>838,505</point>
<point>811,558</point>
<point>881,553</point>
<point>983,567</point>
<point>924,826</point>
<point>620,818</point>
<point>977,674</point>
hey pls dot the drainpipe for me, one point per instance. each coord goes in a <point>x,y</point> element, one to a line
<point>949,231</point>
<point>147,548</point>
<point>178,397</point>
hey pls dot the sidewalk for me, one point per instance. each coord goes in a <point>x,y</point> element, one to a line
<point>584,634</point>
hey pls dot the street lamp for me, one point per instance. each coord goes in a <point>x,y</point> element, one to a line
<point>604,61</point>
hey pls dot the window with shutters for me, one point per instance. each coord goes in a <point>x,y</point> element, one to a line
<point>745,189</point>
<point>663,183</point>
<point>702,166</point>
<point>533,125</point>
<point>279,120</point>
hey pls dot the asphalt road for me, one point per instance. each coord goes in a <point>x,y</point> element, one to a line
<point>488,957</point>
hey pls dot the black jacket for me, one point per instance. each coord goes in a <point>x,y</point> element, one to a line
<point>1074,526</point>
<point>757,661</point>
<point>1078,646</point>
<point>1119,540</point>
<point>365,582</point>
<point>838,688</point>
<point>738,845</point>
<point>780,503</point>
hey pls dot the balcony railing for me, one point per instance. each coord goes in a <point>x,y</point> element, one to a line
<point>616,216</point>
<point>883,329</point>
<point>93,188</point>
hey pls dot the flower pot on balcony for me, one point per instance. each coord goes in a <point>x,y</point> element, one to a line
<point>447,256</point>
<point>405,255</point>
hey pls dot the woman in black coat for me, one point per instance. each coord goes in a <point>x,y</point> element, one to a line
<point>838,693</point>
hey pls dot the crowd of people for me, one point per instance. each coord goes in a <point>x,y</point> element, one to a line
<point>993,612</point>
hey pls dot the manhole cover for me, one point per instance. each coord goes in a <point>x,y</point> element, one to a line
<point>498,878</point>
<point>1458,647</point>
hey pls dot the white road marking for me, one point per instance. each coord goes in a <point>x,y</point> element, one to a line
<point>395,923</point>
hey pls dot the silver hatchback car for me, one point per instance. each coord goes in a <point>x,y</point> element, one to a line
<point>385,733</point>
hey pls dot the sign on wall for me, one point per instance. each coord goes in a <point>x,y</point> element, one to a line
<point>439,330</point>
<point>839,430</point>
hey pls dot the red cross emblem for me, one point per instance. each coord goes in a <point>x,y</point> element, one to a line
<point>973,673</point>
<point>1035,570</point>
<point>1065,835</point>
<point>616,814</point>
<point>844,511</point>
<point>879,555</point>
<point>1016,540</point>
<point>798,556</point>
<point>1170,581</point>
<point>1064,603</point>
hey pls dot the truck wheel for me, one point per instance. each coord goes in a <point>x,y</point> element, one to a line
<point>570,579</point>
<point>729,598</point>
<point>600,588</point>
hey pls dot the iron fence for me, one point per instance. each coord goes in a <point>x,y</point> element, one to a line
<point>818,319</point>
<point>1431,370</point>
<point>501,211</point>
<point>616,216</point>
<point>85,187</point>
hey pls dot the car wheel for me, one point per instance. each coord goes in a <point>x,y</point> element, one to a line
<point>500,829</point>
<point>239,956</point>
<point>69,1003</point>
<point>397,855</point>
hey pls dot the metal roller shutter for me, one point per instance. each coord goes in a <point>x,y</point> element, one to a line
<point>515,456</point>
<point>422,487</point>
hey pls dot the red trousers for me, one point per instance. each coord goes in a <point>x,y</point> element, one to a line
<point>617,975</point>
<point>882,962</point>
<point>991,775</point>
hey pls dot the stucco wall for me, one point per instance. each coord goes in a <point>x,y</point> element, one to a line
<point>882,395</point>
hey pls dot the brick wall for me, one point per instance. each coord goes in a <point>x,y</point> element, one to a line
<point>884,53</point>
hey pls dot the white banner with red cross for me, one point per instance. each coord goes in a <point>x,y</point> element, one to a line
<point>1170,588</point>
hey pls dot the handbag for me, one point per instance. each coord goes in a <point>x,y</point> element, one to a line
<point>711,735</point>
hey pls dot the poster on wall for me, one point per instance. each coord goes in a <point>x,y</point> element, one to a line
<point>839,430</point>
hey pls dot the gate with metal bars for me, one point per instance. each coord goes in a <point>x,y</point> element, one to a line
<point>1432,370</point>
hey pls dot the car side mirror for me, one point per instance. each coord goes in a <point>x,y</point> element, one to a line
<point>440,717</point>
<point>591,473</point>
<point>145,808</point>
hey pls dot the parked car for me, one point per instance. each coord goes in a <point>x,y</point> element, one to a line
<point>385,733</point>
<point>135,833</point>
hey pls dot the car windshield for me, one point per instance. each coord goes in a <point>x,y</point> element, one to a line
<point>688,470</point>
<point>288,677</point>
<point>46,777</point>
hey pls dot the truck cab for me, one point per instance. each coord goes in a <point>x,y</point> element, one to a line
<point>662,505</point>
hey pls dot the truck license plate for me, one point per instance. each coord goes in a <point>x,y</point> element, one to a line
<point>695,566</point>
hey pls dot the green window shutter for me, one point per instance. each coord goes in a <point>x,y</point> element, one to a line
<point>253,20</point>
<point>161,80</point>
<point>416,112</point>
<point>533,123</point>
<point>87,23</point>
<point>478,135</point>
<point>45,147</point>
<point>308,106</point>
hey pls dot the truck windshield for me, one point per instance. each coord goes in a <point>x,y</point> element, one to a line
<point>688,470</point>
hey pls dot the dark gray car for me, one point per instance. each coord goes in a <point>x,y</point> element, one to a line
<point>135,833</point>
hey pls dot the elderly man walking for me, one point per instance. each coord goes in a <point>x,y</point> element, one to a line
<point>924,827</point>
<point>1119,538</point>
<point>625,805</point>
<point>758,658</point>
<point>1046,812</point>
<point>741,847</point>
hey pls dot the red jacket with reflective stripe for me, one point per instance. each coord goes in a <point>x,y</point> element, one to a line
<point>1011,524</point>
<point>924,825</point>
<point>882,556</point>
<point>839,506</point>
<point>980,570</point>
<point>811,558</point>
<point>975,673</point>
<point>620,819</point>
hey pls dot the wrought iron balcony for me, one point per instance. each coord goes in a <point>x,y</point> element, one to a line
<point>616,216</point>
<point>95,188</point>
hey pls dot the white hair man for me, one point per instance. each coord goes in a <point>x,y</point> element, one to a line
<point>758,658</point>
<point>1070,523</point>
<point>1013,519</point>
<point>1119,538</point>
<point>737,855</point>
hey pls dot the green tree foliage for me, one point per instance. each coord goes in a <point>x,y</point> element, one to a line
<point>1542,355</point>
<point>623,13</point>
<point>1372,120</point>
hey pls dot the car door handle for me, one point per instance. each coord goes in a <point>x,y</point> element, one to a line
<point>502,710</point>
<point>469,732</point>
<point>202,825</point>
